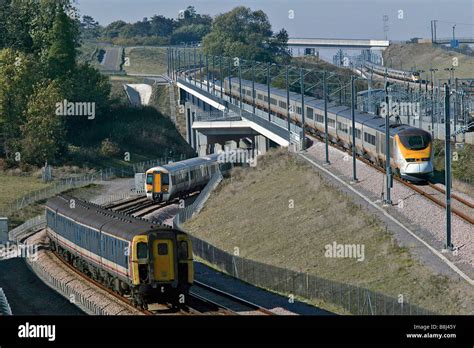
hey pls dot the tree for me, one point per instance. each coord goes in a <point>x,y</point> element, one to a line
<point>190,33</point>
<point>18,73</point>
<point>62,52</point>
<point>246,34</point>
<point>43,132</point>
<point>90,28</point>
<point>161,26</point>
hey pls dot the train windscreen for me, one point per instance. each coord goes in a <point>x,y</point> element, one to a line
<point>416,142</point>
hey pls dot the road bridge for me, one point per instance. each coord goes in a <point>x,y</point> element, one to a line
<point>212,120</point>
<point>338,43</point>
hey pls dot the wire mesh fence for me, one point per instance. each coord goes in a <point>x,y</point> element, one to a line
<point>188,212</point>
<point>78,181</point>
<point>348,298</point>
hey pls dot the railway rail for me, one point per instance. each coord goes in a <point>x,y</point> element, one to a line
<point>225,300</point>
<point>461,207</point>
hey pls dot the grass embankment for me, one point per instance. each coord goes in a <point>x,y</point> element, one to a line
<point>146,60</point>
<point>462,166</point>
<point>425,56</point>
<point>15,184</point>
<point>252,211</point>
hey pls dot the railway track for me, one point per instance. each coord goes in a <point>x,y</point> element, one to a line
<point>196,305</point>
<point>460,207</point>
<point>222,299</point>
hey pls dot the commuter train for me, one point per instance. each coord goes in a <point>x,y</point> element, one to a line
<point>180,178</point>
<point>411,148</point>
<point>393,73</point>
<point>131,256</point>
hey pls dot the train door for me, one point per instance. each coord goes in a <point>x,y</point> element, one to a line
<point>162,267</point>
<point>157,183</point>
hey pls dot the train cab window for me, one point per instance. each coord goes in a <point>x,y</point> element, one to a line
<point>165,179</point>
<point>149,179</point>
<point>162,249</point>
<point>142,251</point>
<point>416,142</point>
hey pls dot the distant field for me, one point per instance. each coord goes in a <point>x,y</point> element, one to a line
<point>13,187</point>
<point>145,60</point>
<point>252,211</point>
<point>424,57</point>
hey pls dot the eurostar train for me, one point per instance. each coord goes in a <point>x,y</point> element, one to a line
<point>411,148</point>
<point>148,262</point>
<point>409,76</point>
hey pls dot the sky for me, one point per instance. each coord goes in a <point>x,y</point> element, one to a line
<point>312,18</point>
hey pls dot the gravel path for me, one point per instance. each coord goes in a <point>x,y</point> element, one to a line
<point>422,216</point>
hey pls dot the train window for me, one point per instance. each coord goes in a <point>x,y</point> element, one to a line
<point>265,98</point>
<point>416,142</point>
<point>259,96</point>
<point>273,101</point>
<point>358,132</point>
<point>319,118</point>
<point>331,123</point>
<point>309,113</point>
<point>342,127</point>
<point>298,110</point>
<point>165,179</point>
<point>369,138</point>
<point>162,249</point>
<point>142,250</point>
<point>249,92</point>
<point>149,179</point>
<point>183,250</point>
<point>282,104</point>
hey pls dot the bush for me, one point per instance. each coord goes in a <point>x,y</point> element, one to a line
<point>108,148</point>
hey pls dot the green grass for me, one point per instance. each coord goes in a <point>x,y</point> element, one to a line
<point>146,60</point>
<point>425,56</point>
<point>252,211</point>
<point>13,187</point>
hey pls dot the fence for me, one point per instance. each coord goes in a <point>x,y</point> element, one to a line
<point>80,181</point>
<point>352,299</point>
<point>27,228</point>
<point>4,305</point>
<point>83,302</point>
<point>188,212</point>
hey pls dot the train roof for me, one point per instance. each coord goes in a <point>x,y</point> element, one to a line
<point>95,216</point>
<point>368,120</point>
<point>191,162</point>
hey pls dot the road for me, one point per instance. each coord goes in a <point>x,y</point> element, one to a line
<point>112,58</point>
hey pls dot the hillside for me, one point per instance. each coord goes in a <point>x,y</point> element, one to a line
<point>252,211</point>
<point>425,56</point>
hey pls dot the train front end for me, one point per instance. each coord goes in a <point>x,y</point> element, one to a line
<point>415,151</point>
<point>162,266</point>
<point>157,184</point>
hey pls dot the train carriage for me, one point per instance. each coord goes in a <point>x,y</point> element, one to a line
<point>129,255</point>
<point>412,162</point>
<point>180,178</point>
